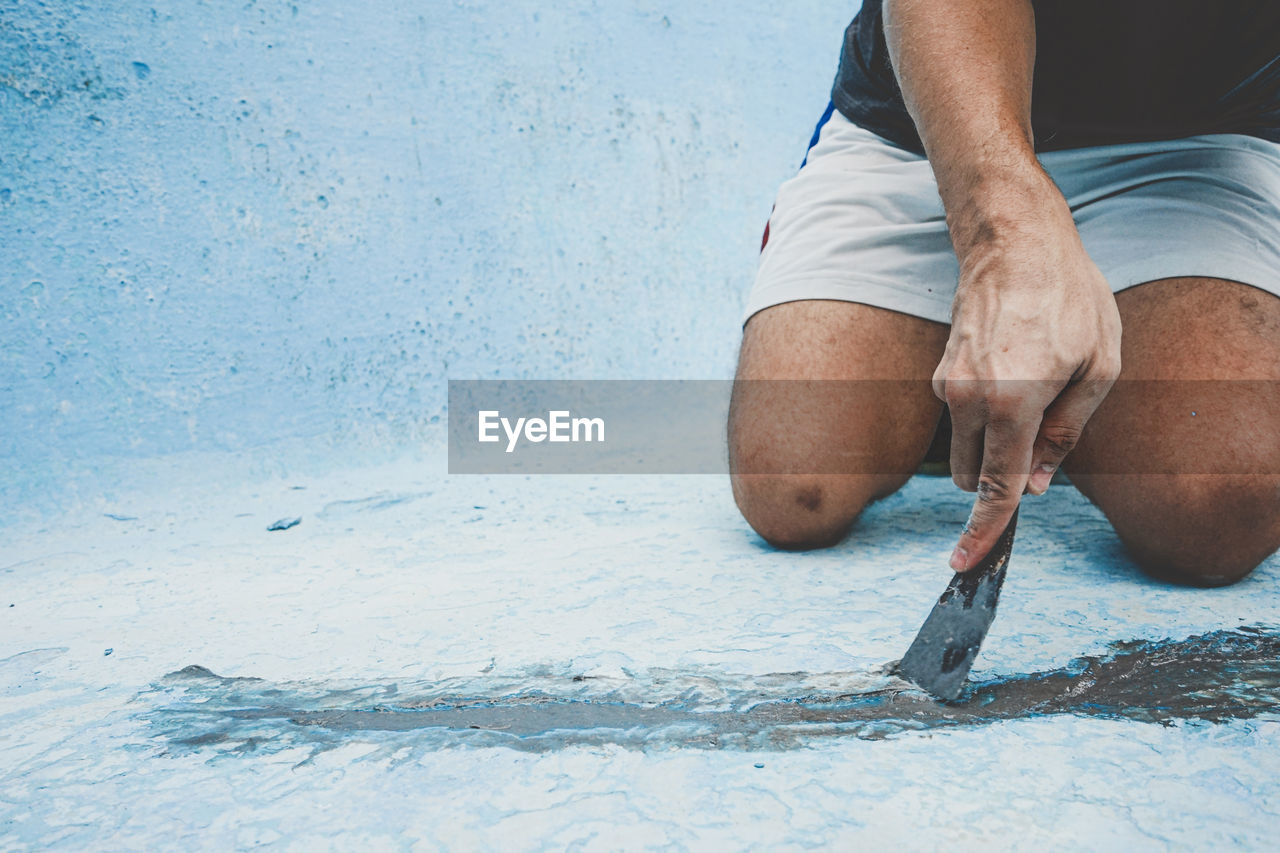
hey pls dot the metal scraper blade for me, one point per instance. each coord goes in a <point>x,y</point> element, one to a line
<point>942,653</point>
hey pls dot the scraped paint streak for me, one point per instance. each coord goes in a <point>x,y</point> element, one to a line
<point>1224,675</point>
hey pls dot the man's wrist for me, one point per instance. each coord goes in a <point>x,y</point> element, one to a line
<point>994,207</point>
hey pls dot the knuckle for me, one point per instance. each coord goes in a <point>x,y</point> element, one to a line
<point>994,489</point>
<point>1010,402</point>
<point>1059,440</point>
<point>1106,365</point>
<point>962,395</point>
<point>1109,370</point>
<point>1002,407</point>
<point>999,400</point>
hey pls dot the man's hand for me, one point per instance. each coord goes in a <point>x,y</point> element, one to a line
<point>1035,334</point>
<point>1034,348</point>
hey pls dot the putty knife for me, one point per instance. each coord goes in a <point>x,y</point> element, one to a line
<point>942,653</point>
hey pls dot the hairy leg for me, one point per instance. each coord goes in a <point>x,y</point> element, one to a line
<point>816,430</point>
<point>1194,526</point>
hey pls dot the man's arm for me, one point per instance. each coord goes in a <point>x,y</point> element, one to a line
<point>1035,334</point>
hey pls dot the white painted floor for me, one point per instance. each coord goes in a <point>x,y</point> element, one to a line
<point>652,586</point>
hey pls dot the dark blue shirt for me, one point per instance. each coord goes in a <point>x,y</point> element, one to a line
<point>1107,71</point>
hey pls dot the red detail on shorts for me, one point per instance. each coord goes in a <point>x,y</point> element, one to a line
<point>764,241</point>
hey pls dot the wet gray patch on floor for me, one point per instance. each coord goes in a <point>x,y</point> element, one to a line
<point>1225,675</point>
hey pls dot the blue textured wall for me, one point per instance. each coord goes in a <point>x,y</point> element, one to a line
<point>227,224</point>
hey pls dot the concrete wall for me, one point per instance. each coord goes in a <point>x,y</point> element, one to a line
<point>227,225</point>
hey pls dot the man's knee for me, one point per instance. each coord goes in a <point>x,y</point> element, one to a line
<point>802,512</point>
<point>1202,530</point>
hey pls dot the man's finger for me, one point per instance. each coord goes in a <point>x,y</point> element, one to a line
<point>1061,428</point>
<point>968,422</point>
<point>966,449</point>
<point>1006,459</point>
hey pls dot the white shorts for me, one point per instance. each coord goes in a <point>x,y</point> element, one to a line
<point>862,222</point>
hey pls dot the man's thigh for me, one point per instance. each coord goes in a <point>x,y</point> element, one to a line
<point>1199,400</point>
<point>832,409</point>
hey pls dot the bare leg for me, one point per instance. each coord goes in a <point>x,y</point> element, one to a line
<point>881,428</point>
<point>1197,528</point>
